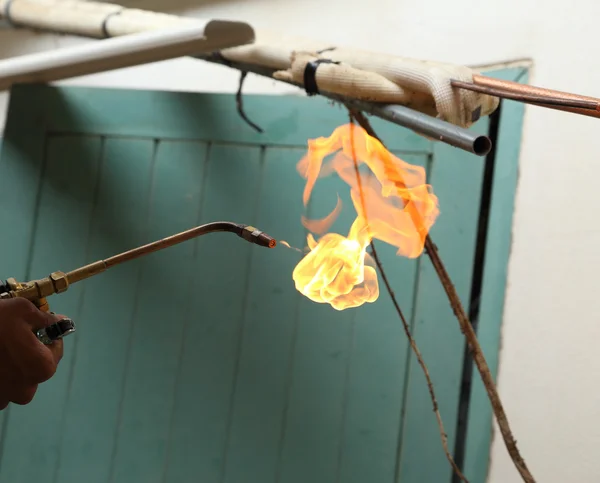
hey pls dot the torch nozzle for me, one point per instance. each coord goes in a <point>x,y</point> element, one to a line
<point>254,235</point>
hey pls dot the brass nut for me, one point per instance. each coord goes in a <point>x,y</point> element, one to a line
<point>60,282</point>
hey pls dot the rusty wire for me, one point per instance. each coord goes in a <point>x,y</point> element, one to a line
<point>466,328</point>
<point>358,117</point>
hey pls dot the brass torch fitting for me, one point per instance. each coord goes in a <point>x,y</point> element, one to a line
<point>56,282</point>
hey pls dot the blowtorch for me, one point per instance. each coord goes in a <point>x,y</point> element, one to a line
<point>36,291</point>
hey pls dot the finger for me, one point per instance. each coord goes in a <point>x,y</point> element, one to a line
<point>35,361</point>
<point>56,348</point>
<point>19,309</point>
<point>39,320</point>
<point>24,394</point>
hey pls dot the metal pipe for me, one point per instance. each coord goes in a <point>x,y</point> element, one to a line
<point>423,124</point>
<point>403,116</point>
<point>260,238</point>
<point>146,47</point>
<point>537,96</point>
<point>152,46</point>
<point>126,51</point>
<point>527,89</point>
<point>524,96</point>
<point>248,233</point>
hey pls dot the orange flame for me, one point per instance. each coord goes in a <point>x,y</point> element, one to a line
<point>393,204</point>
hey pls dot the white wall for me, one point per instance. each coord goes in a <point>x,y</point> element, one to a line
<point>549,365</point>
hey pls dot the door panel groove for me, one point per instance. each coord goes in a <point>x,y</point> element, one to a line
<point>187,314</point>
<point>116,473</point>
<point>80,303</point>
<point>242,331</point>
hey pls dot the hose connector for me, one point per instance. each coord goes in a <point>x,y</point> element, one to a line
<point>254,235</point>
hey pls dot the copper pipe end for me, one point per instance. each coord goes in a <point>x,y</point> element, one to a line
<point>538,96</point>
<point>532,90</point>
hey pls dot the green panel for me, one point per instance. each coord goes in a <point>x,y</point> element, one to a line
<point>270,326</point>
<point>153,356</point>
<point>499,239</point>
<point>213,336</point>
<point>61,239</point>
<point>104,333</point>
<point>456,178</point>
<point>203,362</point>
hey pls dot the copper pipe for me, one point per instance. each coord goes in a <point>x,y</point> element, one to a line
<point>515,87</point>
<point>527,97</point>
<point>537,96</point>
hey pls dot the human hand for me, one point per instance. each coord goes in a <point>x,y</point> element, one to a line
<point>24,361</point>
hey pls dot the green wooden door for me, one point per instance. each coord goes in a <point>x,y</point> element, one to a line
<point>202,363</point>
